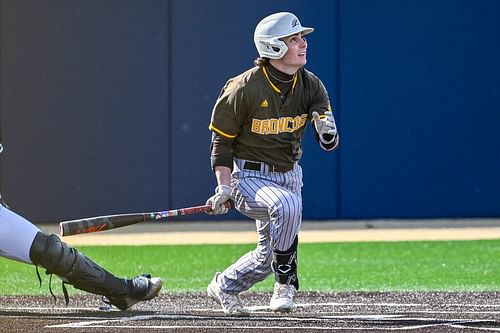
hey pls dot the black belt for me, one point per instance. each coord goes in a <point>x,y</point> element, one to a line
<point>256,166</point>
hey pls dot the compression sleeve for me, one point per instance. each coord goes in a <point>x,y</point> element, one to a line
<point>221,151</point>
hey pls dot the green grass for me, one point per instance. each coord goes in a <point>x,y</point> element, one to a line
<point>371,266</point>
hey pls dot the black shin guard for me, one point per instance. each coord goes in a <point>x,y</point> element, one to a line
<point>74,268</point>
<point>284,265</point>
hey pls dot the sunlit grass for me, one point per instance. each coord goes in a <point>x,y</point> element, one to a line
<point>371,266</point>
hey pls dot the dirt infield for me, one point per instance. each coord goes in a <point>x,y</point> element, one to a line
<point>315,312</point>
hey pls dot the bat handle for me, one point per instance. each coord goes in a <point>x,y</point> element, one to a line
<point>228,204</point>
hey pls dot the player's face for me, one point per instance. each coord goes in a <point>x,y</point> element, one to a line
<point>297,51</point>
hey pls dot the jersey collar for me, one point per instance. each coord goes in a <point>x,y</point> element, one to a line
<point>272,84</point>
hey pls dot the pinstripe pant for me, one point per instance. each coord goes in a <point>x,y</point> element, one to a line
<point>274,201</point>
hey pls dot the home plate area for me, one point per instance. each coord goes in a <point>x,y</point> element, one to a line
<point>315,312</point>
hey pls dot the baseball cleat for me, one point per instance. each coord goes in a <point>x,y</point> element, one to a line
<point>140,288</point>
<point>231,304</point>
<point>282,300</point>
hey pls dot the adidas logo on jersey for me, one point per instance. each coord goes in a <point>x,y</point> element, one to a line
<point>264,104</point>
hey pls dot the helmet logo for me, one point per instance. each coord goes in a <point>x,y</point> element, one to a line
<point>295,22</point>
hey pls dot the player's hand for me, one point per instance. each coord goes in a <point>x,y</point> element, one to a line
<point>325,126</point>
<point>218,200</point>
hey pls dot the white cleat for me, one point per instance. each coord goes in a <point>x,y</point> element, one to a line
<point>282,300</point>
<point>230,303</point>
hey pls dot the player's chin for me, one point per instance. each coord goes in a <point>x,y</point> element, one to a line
<point>302,60</point>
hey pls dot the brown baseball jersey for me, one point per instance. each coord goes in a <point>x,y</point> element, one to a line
<point>251,120</point>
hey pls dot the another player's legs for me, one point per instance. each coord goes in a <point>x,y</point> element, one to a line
<point>16,236</point>
<point>21,240</point>
<point>78,270</point>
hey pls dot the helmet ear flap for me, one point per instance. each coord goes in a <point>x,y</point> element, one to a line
<point>272,49</point>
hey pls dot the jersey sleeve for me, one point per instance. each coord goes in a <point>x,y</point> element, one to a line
<point>225,116</point>
<point>319,100</point>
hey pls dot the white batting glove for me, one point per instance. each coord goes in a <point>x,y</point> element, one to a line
<point>325,126</point>
<point>218,200</point>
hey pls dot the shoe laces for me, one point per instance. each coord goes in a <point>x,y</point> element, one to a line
<point>284,291</point>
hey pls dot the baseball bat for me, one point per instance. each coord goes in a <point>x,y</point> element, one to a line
<point>107,222</point>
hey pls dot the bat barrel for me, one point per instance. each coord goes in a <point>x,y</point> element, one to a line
<point>75,227</point>
<point>95,224</point>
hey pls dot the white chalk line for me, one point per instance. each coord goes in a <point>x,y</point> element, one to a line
<point>55,309</point>
<point>232,327</point>
<point>455,322</point>
<point>397,305</point>
<point>492,329</point>
<point>459,323</point>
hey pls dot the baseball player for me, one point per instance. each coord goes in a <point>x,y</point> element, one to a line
<point>22,241</point>
<point>257,125</point>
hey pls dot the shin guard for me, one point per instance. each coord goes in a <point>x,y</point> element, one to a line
<point>73,267</point>
<point>284,265</point>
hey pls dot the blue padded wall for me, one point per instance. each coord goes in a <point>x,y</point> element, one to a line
<point>105,104</point>
<point>420,108</point>
<point>83,107</point>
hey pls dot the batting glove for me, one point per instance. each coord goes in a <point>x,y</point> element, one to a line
<point>218,200</point>
<point>325,126</point>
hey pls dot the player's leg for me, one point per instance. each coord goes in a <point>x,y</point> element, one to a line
<point>252,267</point>
<point>277,214</point>
<point>80,271</point>
<point>23,241</point>
<point>16,236</point>
<point>278,196</point>
<point>285,214</point>
<point>277,211</point>
<point>287,283</point>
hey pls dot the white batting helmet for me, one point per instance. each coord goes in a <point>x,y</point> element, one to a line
<point>273,27</point>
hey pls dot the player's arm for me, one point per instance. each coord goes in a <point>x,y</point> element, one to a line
<point>222,159</point>
<point>320,109</point>
<point>225,125</point>
<point>222,164</point>
<point>223,175</point>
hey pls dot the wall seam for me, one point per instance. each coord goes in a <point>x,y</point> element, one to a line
<point>169,106</point>
<point>338,35</point>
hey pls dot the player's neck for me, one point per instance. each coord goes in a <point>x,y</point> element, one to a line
<point>287,69</point>
<point>278,76</point>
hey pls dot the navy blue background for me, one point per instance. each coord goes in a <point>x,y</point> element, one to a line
<point>105,105</point>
